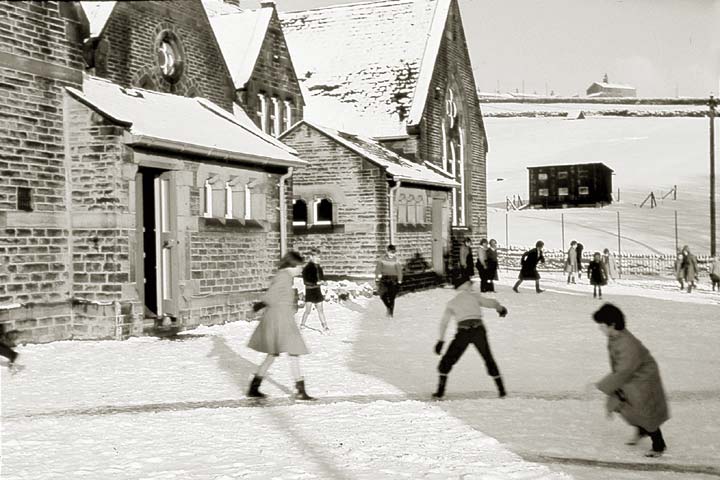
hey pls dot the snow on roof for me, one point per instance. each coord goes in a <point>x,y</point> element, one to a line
<point>613,85</point>
<point>398,167</point>
<point>176,122</point>
<point>240,35</point>
<point>97,14</point>
<point>369,64</point>
<point>219,7</point>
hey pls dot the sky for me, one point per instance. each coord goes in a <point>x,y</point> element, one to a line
<point>662,47</point>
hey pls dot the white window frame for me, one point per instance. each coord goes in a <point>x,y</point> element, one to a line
<point>584,191</point>
<point>228,200</point>
<point>263,112</point>
<point>543,192</point>
<point>542,177</point>
<point>563,192</point>
<point>275,117</point>
<point>316,204</point>
<point>208,195</point>
<point>288,114</point>
<point>248,202</point>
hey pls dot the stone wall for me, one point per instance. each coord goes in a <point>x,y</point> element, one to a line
<point>454,59</point>
<point>131,34</point>
<point>359,192</point>
<point>273,76</point>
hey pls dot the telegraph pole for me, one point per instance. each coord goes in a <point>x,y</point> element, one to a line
<point>713,105</point>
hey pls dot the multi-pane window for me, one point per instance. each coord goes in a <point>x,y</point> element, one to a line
<point>275,116</point>
<point>584,191</point>
<point>208,196</point>
<point>543,192</point>
<point>262,112</point>
<point>562,191</point>
<point>453,136</point>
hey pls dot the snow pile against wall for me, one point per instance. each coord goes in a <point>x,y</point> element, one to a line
<point>338,291</point>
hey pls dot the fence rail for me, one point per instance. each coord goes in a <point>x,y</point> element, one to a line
<point>627,264</point>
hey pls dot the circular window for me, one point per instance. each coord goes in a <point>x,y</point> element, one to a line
<point>170,56</point>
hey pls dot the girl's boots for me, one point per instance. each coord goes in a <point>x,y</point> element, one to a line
<point>254,391</point>
<point>301,393</point>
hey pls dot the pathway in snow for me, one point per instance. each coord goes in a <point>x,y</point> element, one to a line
<point>148,408</point>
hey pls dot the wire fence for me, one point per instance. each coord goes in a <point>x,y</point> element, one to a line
<point>627,264</point>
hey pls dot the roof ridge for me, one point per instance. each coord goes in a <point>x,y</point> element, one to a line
<point>347,5</point>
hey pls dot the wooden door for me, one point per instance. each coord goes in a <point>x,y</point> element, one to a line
<point>166,244</point>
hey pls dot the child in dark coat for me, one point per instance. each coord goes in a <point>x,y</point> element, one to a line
<point>6,343</point>
<point>597,274</point>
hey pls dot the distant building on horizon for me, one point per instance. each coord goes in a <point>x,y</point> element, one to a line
<point>573,185</point>
<point>607,89</point>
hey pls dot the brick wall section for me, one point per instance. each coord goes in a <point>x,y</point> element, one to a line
<point>131,32</point>
<point>454,55</point>
<point>362,209</point>
<point>273,76</point>
<point>38,57</point>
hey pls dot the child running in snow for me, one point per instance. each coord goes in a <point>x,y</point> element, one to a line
<point>6,350</point>
<point>466,308</point>
<point>597,274</point>
<point>633,388</point>
<point>312,276</point>
<point>277,332</point>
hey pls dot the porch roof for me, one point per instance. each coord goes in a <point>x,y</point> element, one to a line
<point>182,124</point>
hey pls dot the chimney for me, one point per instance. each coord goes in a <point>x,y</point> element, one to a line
<point>267,4</point>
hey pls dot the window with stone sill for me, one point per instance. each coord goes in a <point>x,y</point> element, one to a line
<point>584,191</point>
<point>232,200</point>
<point>562,192</point>
<point>323,209</point>
<point>543,192</point>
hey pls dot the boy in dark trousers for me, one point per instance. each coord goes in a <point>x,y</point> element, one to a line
<point>389,274</point>
<point>312,275</point>
<point>466,309</point>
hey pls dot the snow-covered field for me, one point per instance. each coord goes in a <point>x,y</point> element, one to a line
<point>646,154</point>
<point>158,409</point>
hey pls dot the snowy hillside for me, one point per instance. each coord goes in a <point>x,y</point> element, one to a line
<point>646,154</point>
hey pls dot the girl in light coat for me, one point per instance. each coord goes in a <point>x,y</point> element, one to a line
<point>277,332</point>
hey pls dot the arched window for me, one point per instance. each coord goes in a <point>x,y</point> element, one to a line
<point>323,211</point>
<point>453,135</point>
<point>300,214</point>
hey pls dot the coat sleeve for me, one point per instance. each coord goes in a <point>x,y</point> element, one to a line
<point>487,302</point>
<point>627,358</point>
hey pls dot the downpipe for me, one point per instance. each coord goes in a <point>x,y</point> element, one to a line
<point>393,217</point>
<point>283,212</point>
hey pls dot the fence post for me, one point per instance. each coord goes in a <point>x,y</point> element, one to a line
<point>619,247</point>
<point>507,245</point>
<point>562,228</point>
<point>676,232</point>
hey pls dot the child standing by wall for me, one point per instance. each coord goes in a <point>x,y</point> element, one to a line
<point>313,276</point>
<point>389,274</point>
<point>597,274</point>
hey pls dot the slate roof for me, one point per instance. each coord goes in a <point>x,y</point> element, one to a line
<point>191,125</point>
<point>97,14</point>
<point>367,66</point>
<point>395,166</point>
<point>240,34</point>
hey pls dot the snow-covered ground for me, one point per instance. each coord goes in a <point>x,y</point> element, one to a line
<point>158,409</point>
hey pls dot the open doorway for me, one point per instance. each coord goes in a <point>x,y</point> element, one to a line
<point>156,262</point>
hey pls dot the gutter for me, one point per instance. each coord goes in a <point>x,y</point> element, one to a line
<point>391,194</point>
<point>283,212</point>
<point>188,148</point>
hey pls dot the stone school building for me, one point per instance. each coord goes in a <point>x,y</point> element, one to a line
<point>132,191</point>
<point>143,179</point>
